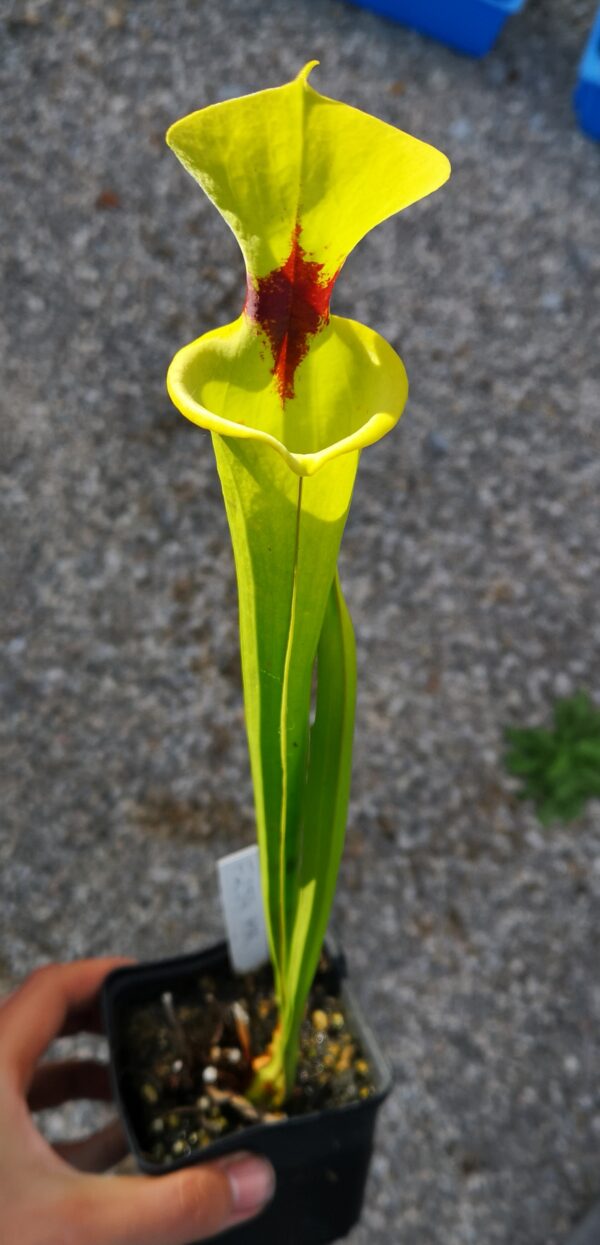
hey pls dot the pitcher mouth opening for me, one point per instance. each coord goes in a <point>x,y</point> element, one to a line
<point>319,423</point>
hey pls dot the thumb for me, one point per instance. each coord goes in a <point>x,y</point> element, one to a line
<point>189,1205</point>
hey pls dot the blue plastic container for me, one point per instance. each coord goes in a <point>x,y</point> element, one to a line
<point>587,91</point>
<point>467,25</point>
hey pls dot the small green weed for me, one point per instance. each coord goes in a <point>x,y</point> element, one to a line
<point>560,768</point>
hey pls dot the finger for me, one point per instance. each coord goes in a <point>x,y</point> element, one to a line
<point>55,1083</point>
<point>97,1152</point>
<point>39,1010</point>
<point>87,1017</point>
<point>189,1205</point>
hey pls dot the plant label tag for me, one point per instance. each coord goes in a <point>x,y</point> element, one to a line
<point>241,900</point>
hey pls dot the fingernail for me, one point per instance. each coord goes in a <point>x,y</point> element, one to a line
<point>252,1182</point>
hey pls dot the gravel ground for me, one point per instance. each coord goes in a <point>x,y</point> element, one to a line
<point>470,565</point>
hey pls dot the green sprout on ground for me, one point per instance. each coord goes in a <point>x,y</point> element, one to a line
<point>291,395</point>
<point>560,768</point>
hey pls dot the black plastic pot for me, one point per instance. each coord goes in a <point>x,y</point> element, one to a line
<point>321,1160</point>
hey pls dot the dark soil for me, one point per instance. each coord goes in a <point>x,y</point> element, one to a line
<point>187,1060</point>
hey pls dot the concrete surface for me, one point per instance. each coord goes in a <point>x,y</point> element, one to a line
<point>471,565</point>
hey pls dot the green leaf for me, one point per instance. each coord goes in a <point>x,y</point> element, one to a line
<point>560,769</point>
<point>323,821</point>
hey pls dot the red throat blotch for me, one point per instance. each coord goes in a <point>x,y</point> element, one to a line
<point>290,304</point>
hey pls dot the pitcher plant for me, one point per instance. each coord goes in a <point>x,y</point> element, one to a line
<point>291,395</point>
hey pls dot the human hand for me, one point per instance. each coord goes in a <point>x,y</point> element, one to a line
<point>48,1194</point>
